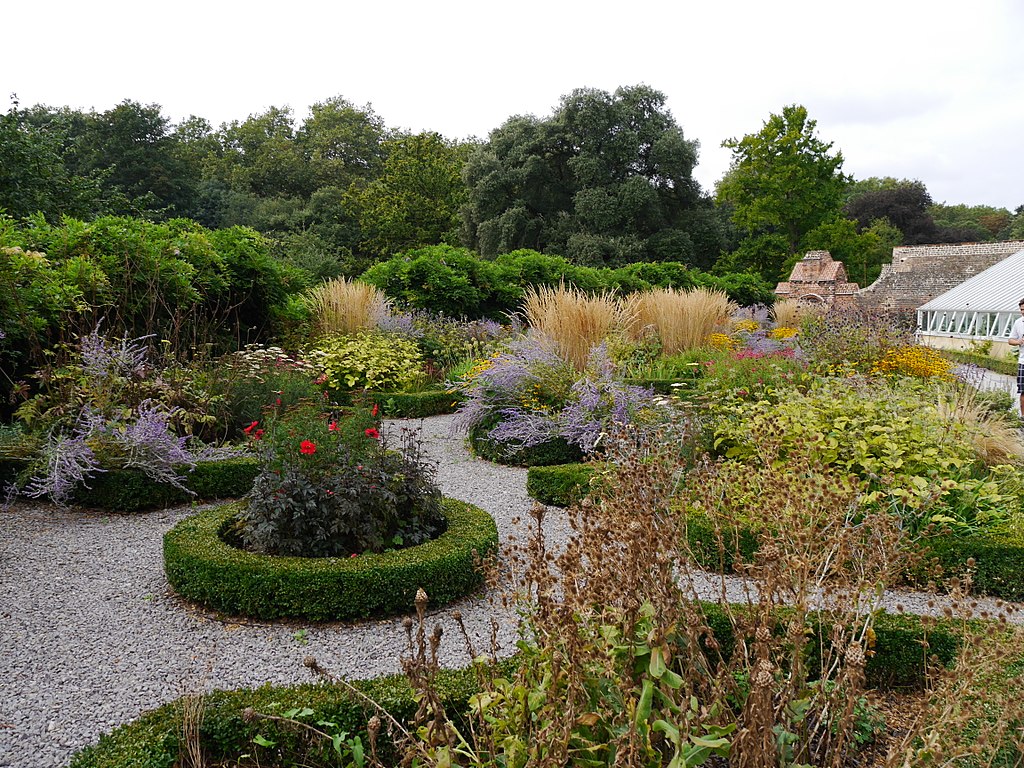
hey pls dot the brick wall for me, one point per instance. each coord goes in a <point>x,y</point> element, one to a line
<point>919,273</point>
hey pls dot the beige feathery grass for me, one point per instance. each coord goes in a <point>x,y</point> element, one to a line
<point>682,319</point>
<point>345,307</point>
<point>995,439</point>
<point>787,313</point>
<point>575,321</point>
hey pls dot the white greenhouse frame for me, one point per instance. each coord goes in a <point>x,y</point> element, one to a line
<point>981,308</point>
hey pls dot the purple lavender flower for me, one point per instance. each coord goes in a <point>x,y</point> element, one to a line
<point>101,359</point>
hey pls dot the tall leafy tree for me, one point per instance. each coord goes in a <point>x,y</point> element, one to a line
<point>606,179</point>
<point>417,197</point>
<point>35,175</point>
<point>343,143</point>
<point>783,183</point>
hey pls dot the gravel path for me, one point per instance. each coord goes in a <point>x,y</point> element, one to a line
<point>91,637</point>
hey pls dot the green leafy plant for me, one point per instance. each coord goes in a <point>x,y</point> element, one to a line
<point>918,462</point>
<point>370,360</point>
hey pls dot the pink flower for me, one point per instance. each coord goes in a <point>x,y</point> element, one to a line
<point>307,447</point>
<point>354,554</point>
<point>372,432</point>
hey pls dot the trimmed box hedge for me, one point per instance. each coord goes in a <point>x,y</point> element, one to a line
<point>559,485</point>
<point>131,490</point>
<point>154,740</point>
<point>556,451</point>
<point>201,566</point>
<point>410,405</point>
<point>998,569</point>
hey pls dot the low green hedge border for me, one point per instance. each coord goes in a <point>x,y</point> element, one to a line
<point>556,451</point>
<point>410,405</point>
<point>130,490</point>
<point>200,566</point>
<point>154,740</point>
<point>559,485</point>
<point>998,560</point>
<point>1004,365</point>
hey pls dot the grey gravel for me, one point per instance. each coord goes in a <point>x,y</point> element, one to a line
<point>91,636</point>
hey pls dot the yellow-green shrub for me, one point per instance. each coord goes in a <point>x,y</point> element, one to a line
<point>370,360</point>
<point>917,460</point>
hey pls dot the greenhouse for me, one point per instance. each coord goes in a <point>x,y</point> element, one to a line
<point>979,311</point>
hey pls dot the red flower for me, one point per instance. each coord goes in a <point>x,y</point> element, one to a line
<point>354,554</point>
<point>251,427</point>
<point>374,411</point>
<point>333,426</point>
<point>258,435</point>
<point>307,447</point>
<point>372,432</point>
<point>278,401</point>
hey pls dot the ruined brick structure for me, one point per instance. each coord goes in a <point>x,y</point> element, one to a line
<point>818,278</point>
<point>917,274</point>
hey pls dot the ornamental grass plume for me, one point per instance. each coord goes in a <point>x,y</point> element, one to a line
<point>344,307</point>
<point>574,321</point>
<point>788,313</point>
<point>683,319</point>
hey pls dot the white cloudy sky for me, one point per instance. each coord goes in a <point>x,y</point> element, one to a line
<point>930,90</point>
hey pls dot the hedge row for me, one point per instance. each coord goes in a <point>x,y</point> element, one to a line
<point>410,405</point>
<point>556,451</point>
<point>1004,365</point>
<point>559,485</point>
<point>130,490</point>
<point>457,282</point>
<point>998,569</point>
<point>154,740</point>
<point>200,566</point>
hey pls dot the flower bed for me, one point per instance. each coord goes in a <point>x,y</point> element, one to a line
<point>202,567</point>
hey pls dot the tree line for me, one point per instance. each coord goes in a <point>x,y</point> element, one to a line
<point>604,181</point>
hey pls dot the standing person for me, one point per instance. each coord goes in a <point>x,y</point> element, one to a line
<point>1017,340</point>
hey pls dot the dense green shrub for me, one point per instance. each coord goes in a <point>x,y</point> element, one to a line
<point>920,462</point>
<point>411,405</point>
<point>201,566</point>
<point>441,278</point>
<point>370,360</point>
<point>559,485</point>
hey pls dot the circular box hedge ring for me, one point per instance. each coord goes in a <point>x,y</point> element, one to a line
<point>202,567</point>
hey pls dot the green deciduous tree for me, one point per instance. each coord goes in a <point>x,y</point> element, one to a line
<point>34,173</point>
<point>607,179</point>
<point>783,183</point>
<point>417,197</point>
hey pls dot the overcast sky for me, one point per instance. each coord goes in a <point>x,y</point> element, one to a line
<point>929,90</point>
